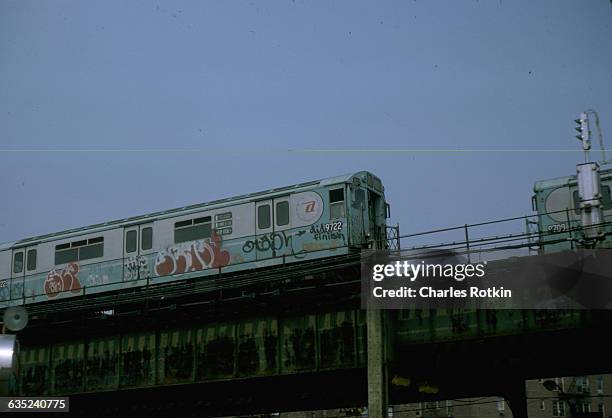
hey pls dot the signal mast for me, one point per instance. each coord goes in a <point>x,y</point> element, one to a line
<point>589,182</point>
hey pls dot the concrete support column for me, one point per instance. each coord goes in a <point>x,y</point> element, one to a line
<point>377,368</point>
<point>517,398</point>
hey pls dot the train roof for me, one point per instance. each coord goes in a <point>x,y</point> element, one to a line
<point>552,183</point>
<point>563,181</point>
<point>182,210</point>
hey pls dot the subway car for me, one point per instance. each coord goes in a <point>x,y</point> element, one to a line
<point>558,206</point>
<point>313,220</point>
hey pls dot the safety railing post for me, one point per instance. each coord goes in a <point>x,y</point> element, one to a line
<point>569,229</point>
<point>467,242</point>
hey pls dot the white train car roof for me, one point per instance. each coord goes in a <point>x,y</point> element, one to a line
<point>563,181</point>
<point>185,210</point>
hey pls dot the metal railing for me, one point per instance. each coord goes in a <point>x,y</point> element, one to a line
<point>479,237</point>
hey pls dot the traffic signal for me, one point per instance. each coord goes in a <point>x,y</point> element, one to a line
<point>583,130</point>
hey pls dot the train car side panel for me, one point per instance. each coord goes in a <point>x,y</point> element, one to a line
<point>296,225</point>
<point>5,274</point>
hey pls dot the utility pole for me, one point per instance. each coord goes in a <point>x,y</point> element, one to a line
<point>377,367</point>
<point>589,182</point>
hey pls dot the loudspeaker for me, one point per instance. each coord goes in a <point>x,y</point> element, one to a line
<point>15,318</point>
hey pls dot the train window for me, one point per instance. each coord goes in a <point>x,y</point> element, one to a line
<point>93,249</point>
<point>606,198</point>
<point>359,202</point>
<point>130,241</point>
<point>18,262</point>
<point>263,217</point>
<point>336,195</point>
<point>192,229</point>
<point>146,238</point>
<point>282,213</point>
<point>79,250</point>
<point>336,203</point>
<point>183,223</point>
<point>31,260</point>
<point>63,256</point>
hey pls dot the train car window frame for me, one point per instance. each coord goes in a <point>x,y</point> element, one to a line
<point>360,198</point>
<point>336,203</point>
<point>282,213</point>
<point>264,216</point>
<point>31,260</point>
<point>131,241</point>
<point>18,262</point>
<point>223,223</point>
<point>65,255</point>
<point>93,249</point>
<point>87,249</point>
<point>146,236</point>
<point>193,229</point>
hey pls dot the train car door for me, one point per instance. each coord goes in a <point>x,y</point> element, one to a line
<point>282,227</point>
<point>137,250</point>
<point>18,273</point>
<point>264,229</point>
<point>31,282</point>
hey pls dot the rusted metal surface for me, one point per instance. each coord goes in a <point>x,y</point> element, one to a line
<point>35,372</point>
<point>176,360</point>
<point>137,364</point>
<point>433,326</point>
<point>102,365</point>
<point>298,344</point>
<point>68,364</point>
<point>257,347</point>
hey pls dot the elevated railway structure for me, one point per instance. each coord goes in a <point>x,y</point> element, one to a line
<point>293,337</point>
<point>253,304</point>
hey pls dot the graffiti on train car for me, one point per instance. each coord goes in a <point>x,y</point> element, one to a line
<point>328,231</point>
<point>64,280</point>
<point>4,290</point>
<point>97,280</point>
<point>136,267</point>
<point>274,241</point>
<point>192,256</point>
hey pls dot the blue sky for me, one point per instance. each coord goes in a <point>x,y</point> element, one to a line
<point>249,95</point>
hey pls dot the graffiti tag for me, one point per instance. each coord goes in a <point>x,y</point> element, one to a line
<point>136,267</point>
<point>328,231</point>
<point>62,281</point>
<point>192,256</point>
<point>274,241</point>
<point>97,279</point>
